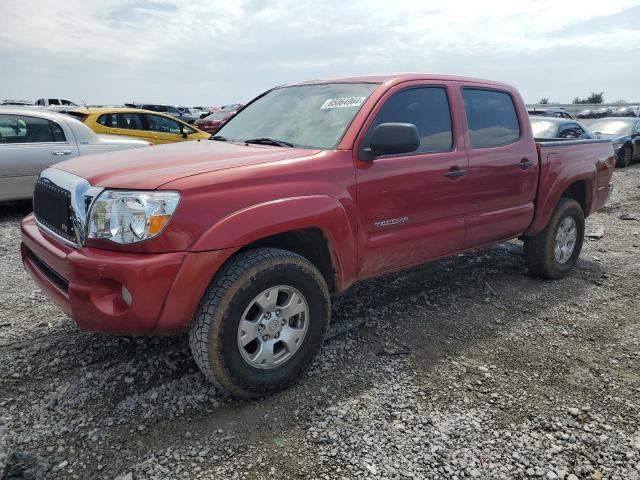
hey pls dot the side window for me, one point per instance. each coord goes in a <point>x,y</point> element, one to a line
<point>24,129</point>
<point>567,131</point>
<point>637,130</point>
<point>579,130</point>
<point>491,117</point>
<point>162,124</point>
<point>425,107</point>
<point>40,101</point>
<point>57,132</point>
<point>127,121</point>
<point>54,101</point>
<point>107,120</point>
<point>12,129</point>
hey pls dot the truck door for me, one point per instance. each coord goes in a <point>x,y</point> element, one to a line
<point>411,206</point>
<point>503,166</point>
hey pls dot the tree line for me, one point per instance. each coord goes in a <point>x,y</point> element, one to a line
<point>595,97</point>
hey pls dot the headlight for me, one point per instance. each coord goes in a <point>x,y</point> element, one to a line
<point>129,217</point>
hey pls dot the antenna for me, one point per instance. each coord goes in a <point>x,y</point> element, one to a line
<point>84,103</point>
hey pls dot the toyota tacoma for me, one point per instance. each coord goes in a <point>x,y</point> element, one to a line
<point>311,187</point>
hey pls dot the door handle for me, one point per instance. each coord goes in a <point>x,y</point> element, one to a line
<point>455,172</point>
<point>61,152</point>
<point>525,163</point>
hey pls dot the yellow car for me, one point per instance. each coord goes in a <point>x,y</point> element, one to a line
<point>155,127</point>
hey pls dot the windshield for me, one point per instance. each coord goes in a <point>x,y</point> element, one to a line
<point>543,128</point>
<point>612,127</point>
<point>314,116</point>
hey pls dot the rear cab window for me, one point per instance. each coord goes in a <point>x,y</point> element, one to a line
<point>492,118</point>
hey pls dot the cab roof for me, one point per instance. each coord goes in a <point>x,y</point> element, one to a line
<point>390,79</point>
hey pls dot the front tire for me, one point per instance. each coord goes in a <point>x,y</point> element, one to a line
<point>260,322</point>
<point>554,251</point>
<point>623,159</point>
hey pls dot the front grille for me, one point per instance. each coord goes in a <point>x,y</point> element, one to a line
<point>53,276</point>
<point>52,208</point>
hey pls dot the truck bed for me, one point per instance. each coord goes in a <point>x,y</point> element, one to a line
<point>584,164</point>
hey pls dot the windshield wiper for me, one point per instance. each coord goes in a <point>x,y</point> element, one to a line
<point>269,141</point>
<point>220,138</point>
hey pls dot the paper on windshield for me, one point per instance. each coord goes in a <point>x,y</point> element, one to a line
<point>343,102</point>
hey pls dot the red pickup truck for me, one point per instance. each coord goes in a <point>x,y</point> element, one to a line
<point>311,187</point>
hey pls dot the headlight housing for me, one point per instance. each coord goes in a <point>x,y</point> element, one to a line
<point>129,216</point>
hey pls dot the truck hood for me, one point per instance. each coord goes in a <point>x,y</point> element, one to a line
<point>149,168</point>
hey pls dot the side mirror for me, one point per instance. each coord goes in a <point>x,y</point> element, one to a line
<point>394,138</point>
<point>183,131</point>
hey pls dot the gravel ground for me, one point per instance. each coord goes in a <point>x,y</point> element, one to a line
<point>464,368</point>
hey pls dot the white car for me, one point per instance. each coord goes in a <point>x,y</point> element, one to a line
<point>48,102</point>
<point>34,139</point>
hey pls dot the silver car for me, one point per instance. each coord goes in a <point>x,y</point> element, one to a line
<point>33,139</point>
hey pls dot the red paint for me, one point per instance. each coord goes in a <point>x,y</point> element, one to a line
<point>233,195</point>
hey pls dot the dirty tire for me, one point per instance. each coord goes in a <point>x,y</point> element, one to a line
<point>213,332</point>
<point>623,159</point>
<point>538,250</point>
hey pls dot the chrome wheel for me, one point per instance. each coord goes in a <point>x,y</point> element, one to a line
<point>565,241</point>
<point>273,327</point>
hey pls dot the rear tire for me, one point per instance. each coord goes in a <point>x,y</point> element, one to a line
<point>260,322</point>
<point>623,159</point>
<point>554,251</point>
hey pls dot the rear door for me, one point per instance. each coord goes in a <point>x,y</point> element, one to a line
<point>411,206</point>
<point>28,145</point>
<point>128,124</point>
<point>503,165</point>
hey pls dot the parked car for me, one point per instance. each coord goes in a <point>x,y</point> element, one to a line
<point>232,107</point>
<point>585,114</point>
<point>627,111</point>
<point>553,128</point>
<point>307,190</point>
<point>171,110</point>
<point>33,139</point>
<point>212,122</point>
<point>16,103</point>
<point>48,102</point>
<point>625,135</point>
<point>199,112</point>
<point>153,127</point>
<point>602,112</point>
<point>550,112</point>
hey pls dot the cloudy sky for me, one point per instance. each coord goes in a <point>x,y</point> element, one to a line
<point>214,52</point>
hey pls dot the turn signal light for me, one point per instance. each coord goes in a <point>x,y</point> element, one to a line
<point>157,223</point>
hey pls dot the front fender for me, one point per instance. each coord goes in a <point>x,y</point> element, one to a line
<point>263,220</point>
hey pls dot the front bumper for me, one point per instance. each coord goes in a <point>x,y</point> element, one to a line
<point>87,283</point>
